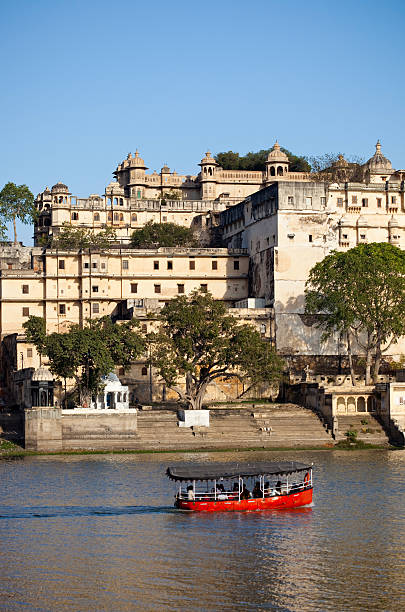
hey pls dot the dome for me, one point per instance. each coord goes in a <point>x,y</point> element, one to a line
<point>165,169</point>
<point>208,159</point>
<point>112,377</point>
<point>42,374</point>
<point>60,188</point>
<point>137,161</point>
<point>378,163</point>
<point>393,222</point>
<point>277,155</point>
<point>340,162</point>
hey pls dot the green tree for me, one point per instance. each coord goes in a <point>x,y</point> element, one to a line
<point>171,195</point>
<point>257,161</point>
<point>16,202</point>
<point>154,235</point>
<point>199,342</point>
<point>86,354</point>
<point>334,168</point>
<point>73,238</point>
<point>361,295</point>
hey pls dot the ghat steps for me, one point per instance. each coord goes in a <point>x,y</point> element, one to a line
<point>370,430</point>
<point>265,427</point>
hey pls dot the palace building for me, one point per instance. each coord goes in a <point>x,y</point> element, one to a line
<point>271,227</point>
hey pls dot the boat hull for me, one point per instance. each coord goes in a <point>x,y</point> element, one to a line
<point>292,500</point>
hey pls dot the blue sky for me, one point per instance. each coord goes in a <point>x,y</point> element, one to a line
<point>86,82</point>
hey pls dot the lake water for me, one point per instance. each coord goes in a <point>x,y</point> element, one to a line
<point>100,533</point>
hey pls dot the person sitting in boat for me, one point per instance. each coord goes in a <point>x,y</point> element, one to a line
<point>267,490</point>
<point>190,493</point>
<point>256,490</point>
<point>245,493</point>
<point>278,487</point>
<point>221,492</point>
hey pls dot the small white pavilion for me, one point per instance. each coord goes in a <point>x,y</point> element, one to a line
<point>114,396</point>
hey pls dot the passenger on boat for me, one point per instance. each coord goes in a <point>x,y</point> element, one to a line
<point>256,490</point>
<point>245,493</point>
<point>190,493</point>
<point>221,492</point>
<point>267,490</point>
<point>278,487</point>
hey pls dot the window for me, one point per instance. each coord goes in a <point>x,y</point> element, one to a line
<point>236,264</point>
<point>121,217</point>
<point>191,264</point>
<point>96,308</point>
<point>134,217</point>
<point>310,238</point>
<point>25,289</point>
<point>364,202</point>
<point>29,353</point>
<point>103,265</point>
<point>94,288</point>
<point>134,287</point>
<point>354,199</point>
<point>86,265</point>
<point>9,266</point>
<point>125,265</point>
<point>164,219</point>
<point>204,288</point>
<point>393,199</point>
<point>61,264</point>
<point>363,236</point>
<point>308,201</point>
<point>214,265</point>
<point>180,288</point>
<point>156,265</point>
<point>94,265</point>
<point>379,202</point>
<point>26,311</point>
<point>144,327</point>
<point>340,201</point>
<point>75,216</point>
<point>62,309</point>
<point>157,288</point>
<point>323,200</point>
<point>96,217</point>
<point>345,236</point>
<point>121,202</point>
<point>291,200</point>
<point>263,329</point>
<point>170,265</point>
<point>144,371</point>
<point>116,217</point>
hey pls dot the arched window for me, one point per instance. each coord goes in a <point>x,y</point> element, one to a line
<point>272,171</point>
<point>119,396</point>
<point>96,217</point>
<point>121,217</point>
<point>144,371</point>
<point>109,216</point>
<point>361,404</point>
<point>109,202</point>
<point>280,171</point>
<point>116,217</point>
<point>115,201</point>
<point>139,194</point>
<point>47,222</point>
<point>134,217</point>
<point>210,171</point>
<point>121,202</point>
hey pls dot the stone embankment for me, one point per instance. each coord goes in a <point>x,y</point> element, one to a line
<point>366,426</point>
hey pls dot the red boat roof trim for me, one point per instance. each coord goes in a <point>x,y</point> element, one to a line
<point>214,471</point>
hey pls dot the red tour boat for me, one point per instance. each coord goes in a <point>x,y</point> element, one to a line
<point>248,486</point>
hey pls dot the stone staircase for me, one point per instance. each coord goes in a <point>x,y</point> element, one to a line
<point>370,430</point>
<point>258,427</point>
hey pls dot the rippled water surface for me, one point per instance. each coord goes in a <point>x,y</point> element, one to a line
<point>100,533</point>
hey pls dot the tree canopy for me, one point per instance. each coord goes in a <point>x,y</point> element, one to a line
<point>335,168</point>
<point>154,235</point>
<point>360,294</point>
<point>257,161</point>
<point>16,202</point>
<point>72,238</point>
<point>86,354</point>
<point>199,342</point>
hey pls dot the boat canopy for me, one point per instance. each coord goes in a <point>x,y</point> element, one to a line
<point>215,471</point>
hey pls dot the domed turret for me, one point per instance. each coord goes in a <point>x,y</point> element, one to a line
<point>378,168</point>
<point>60,188</point>
<point>137,161</point>
<point>42,374</point>
<point>277,163</point>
